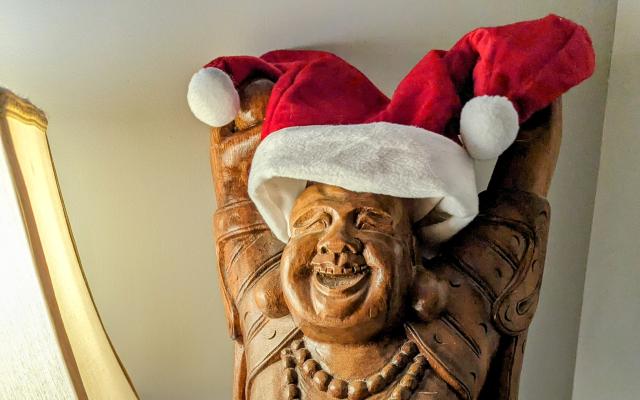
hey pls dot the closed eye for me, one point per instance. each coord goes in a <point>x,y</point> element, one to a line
<point>312,221</point>
<point>373,220</point>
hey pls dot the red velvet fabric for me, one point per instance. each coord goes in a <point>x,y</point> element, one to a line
<point>532,63</point>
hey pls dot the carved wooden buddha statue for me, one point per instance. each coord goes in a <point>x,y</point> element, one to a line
<point>346,308</point>
<point>335,292</point>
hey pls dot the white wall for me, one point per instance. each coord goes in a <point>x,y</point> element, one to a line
<point>134,170</point>
<point>608,362</point>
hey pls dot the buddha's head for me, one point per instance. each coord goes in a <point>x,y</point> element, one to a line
<point>349,270</point>
<point>349,265</point>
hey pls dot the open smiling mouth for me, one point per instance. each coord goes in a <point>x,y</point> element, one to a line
<point>332,280</point>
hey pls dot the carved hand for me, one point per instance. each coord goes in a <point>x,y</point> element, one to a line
<point>232,146</point>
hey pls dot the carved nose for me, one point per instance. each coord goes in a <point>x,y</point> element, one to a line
<point>338,242</point>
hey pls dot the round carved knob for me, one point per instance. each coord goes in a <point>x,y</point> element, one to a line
<point>357,391</point>
<point>269,297</point>
<point>338,388</point>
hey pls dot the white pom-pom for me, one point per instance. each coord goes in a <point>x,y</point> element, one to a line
<point>488,126</point>
<point>212,97</point>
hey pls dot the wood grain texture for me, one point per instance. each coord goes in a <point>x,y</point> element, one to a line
<point>467,309</point>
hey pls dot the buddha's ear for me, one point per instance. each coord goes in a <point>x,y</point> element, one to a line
<point>269,297</point>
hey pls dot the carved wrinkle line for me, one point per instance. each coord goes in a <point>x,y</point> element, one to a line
<point>252,279</point>
<point>253,330</point>
<point>456,327</point>
<point>242,248</point>
<point>480,283</point>
<point>503,254</point>
<point>439,366</point>
<point>251,228</point>
<point>234,204</point>
<point>514,224</point>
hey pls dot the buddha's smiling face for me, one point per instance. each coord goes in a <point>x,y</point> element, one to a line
<point>347,268</point>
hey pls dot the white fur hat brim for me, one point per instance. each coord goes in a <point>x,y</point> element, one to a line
<point>386,158</point>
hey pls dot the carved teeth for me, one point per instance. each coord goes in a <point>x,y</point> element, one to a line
<point>345,270</point>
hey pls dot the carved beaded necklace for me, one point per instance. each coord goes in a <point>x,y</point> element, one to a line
<point>297,356</point>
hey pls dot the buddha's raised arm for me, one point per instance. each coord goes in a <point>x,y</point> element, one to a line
<point>248,253</point>
<point>494,269</point>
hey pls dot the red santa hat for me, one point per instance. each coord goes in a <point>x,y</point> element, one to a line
<point>326,122</point>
